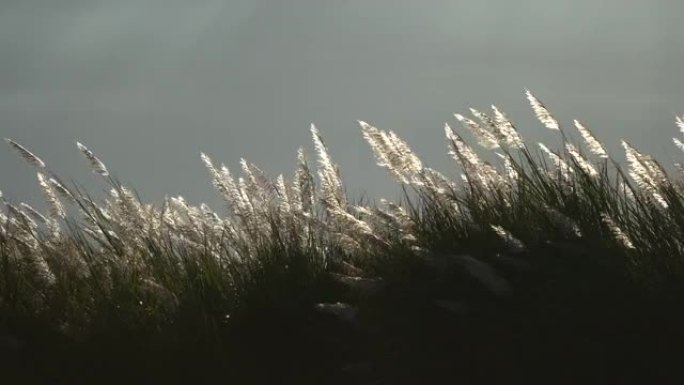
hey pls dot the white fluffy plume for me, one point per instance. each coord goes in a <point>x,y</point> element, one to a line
<point>95,163</point>
<point>541,112</point>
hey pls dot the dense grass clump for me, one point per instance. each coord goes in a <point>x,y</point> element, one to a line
<point>555,265</point>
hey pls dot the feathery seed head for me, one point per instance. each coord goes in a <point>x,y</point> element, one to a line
<point>34,213</point>
<point>646,172</point>
<point>617,232</point>
<point>56,208</point>
<point>258,186</point>
<point>652,167</point>
<point>390,149</point>
<point>26,154</point>
<point>513,243</point>
<point>594,146</point>
<point>511,172</point>
<point>95,163</point>
<point>331,183</point>
<point>281,190</point>
<point>206,160</point>
<point>584,164</point>
<point>485,138</point>
<point>225,183</point>
<point>541,112</point>
<point>303,185</point>
<point>61,190</point>
<point>564,168</point>
<point>487,121</point>
<point>410,163</point>
<point>22,218</point>
<point>506,130</point>
<point>678,143</point>
<point>459,148</point>
<point>364,125</point>
<point>680,123</point>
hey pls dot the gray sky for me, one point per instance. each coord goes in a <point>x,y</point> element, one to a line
<point>148,84</point>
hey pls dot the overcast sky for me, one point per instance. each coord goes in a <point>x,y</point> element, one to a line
<point>149,84</point>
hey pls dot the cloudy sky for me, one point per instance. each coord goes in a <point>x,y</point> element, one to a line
<point>149,84</point>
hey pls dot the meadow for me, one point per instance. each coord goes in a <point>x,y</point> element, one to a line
<point>551,265</point>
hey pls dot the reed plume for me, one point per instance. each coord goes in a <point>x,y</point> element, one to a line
<point>541,112</point>
<point>30,157</point>
<point>96,164</point>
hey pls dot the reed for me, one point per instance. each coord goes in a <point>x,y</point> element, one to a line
<point>298,245</point>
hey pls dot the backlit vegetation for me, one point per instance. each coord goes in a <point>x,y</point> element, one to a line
<point>540,231</point>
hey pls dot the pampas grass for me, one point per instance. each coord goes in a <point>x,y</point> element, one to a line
<point>593,144</point>
<point>26,154</point>
<point>289,246</point>
<point>541,112</point>
<point>95,163</point>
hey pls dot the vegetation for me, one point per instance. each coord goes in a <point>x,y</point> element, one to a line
<point>555,266</point>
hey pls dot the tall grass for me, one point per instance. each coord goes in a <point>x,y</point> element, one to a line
<point>539,227</point>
